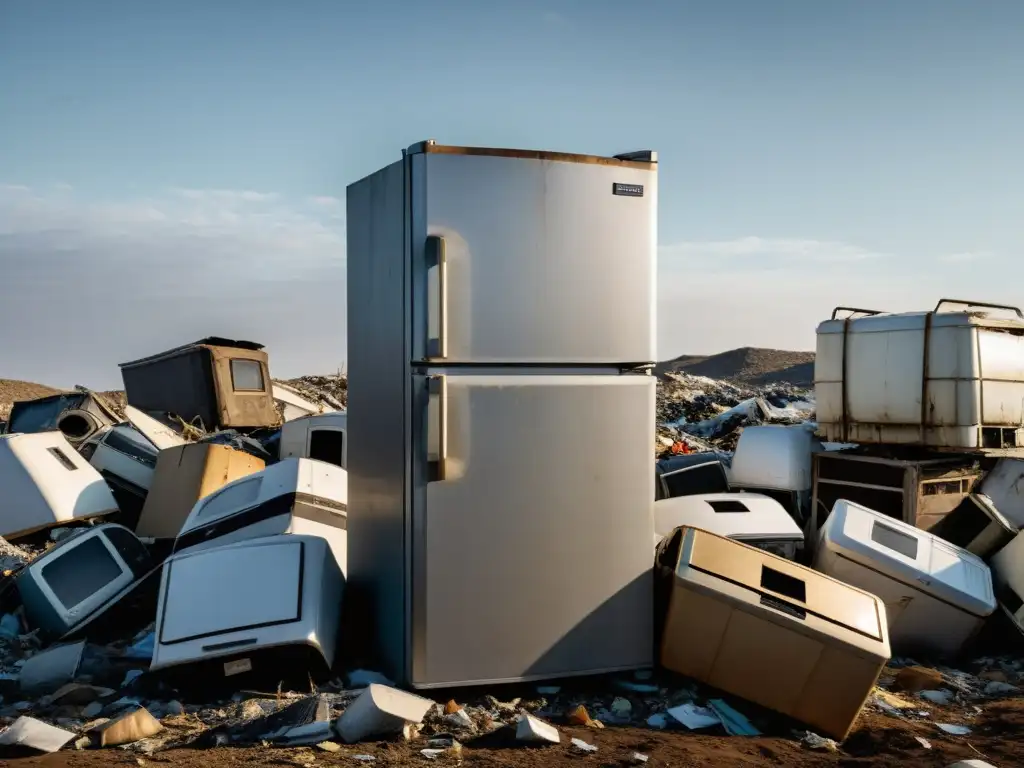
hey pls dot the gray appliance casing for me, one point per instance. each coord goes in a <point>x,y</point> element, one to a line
<point>501,330</point>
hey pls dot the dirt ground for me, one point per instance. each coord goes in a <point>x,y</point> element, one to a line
<point>879,740</point>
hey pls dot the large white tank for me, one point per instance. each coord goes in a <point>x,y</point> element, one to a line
<point>874,382</point>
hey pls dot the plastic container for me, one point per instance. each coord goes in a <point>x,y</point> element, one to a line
<point>949,379</point>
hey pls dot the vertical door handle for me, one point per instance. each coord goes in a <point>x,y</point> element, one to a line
<point>437,428</point>
<point>437,345</point>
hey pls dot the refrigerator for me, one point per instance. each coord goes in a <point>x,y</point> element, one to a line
<point>501,335</point>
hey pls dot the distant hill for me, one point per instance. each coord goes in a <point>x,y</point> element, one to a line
<point>12,390</point>
<point>752,366</point>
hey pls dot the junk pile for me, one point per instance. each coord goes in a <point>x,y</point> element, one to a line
<point>695,413</point>
<point>167,561</point>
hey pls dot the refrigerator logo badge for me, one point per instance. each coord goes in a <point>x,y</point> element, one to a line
<point>628,190</point>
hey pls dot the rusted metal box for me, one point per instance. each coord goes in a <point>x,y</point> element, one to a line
<point>919,491</point>
<point>221,382</point>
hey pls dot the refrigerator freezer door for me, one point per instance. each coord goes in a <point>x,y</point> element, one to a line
<point>532,549</point>
<point>521,260</point>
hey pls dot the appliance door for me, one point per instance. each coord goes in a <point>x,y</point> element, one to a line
<point>532,526</point>
<point>231,590</point>
<point>532,261</point>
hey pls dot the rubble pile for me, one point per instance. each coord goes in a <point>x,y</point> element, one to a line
<point>708,413</point>
<point>330,390</point>
<point>148,593</point>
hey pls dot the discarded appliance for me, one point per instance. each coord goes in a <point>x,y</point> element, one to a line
<point>320,437</point>
<point>77,415</point>
<point>1004,487</point>
<point>977,526</point>
<point>492,420</point>
<point>917,491</point>
<point>380,711</point>
<point>757,520</point>
<point>690,473</point>
<point>82,577</point>
<point>936,595</point>
<point>183,476</point>
<point>777,461</point>
<point>256,610</point>
<point>296,496</point>
<point>222,382</point>
<point>160,435</point>
<point>51,668</point>
<point>46,483</point>
<point>1008,575</point>
<point>945,379</point>
<point>768,630</point>
<point>295,406</point>
<point>126,460</point>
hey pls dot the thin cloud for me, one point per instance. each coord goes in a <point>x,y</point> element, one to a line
<point>789,249</point>
<point>90,282</point>
<point>965,256</point>
<point>325,201</point>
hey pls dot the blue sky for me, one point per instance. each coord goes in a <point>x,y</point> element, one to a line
<point>812,154</point>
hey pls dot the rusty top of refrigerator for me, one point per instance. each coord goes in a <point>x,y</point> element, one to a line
<point>644,159</point>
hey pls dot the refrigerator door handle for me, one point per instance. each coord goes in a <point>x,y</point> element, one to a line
<point>437,428</point>
<point>437,346</point>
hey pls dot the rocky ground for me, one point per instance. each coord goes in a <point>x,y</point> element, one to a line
<point>751,366</point>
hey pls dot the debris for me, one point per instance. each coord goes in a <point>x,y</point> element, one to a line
<point>160,435</point>
<point>942,698</point>
<point>915,679</point>
<point>658,720</point>
<point>693,716</point>
<point>735,723</point>
<point>35,734</point>
<point>622,708</point>
<point>380,711</point>
<point>49,670</point>
<point>329,746</point>
<point>582,746</point>
<point>996,688</point>
<point>548,690</point>
<point>635,687</point>
<point>923,742</point>
<point>638,759</point>
<point>533,729</point>
<point>954,730</point>
<point>814,741</point>
<point>131,726</point>
<point>971,764</point>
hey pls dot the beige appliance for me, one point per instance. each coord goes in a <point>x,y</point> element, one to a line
<point>936,595</point>
<point>183,476</point>
<point>770,631</point>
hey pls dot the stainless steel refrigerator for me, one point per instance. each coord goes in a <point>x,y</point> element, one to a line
<point>501,330</point>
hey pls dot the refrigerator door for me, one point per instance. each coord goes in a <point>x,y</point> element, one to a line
<point>532,526</point>
<point>527,260</point>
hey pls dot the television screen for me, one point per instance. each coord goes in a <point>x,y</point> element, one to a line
<point>81,571</point>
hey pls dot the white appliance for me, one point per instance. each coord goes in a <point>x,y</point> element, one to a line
<point>752,518</point>
<point>946,378</point>
<point>936,595</point>
<point>977,526</point>
<point>1008,574</point>
<point>84,575</point>
<point>776,461</point>
<point>320,437</point>
<point>260,607</point>
<point>501,332</point>
<point>45,483</point>
<point>123,455</point>
<point>297,496</point>
<point>1004,486</point>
